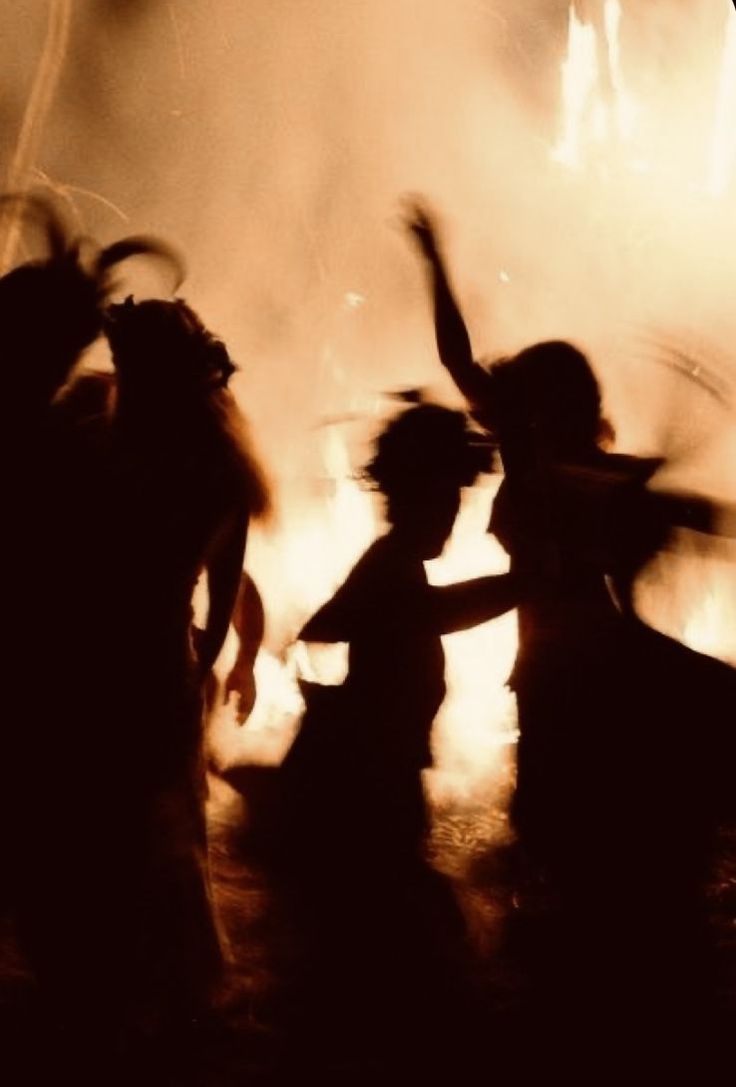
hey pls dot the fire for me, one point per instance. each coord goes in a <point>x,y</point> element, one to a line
<point>601,118</point>
<point>318,542</point>
<point>476,723</point>
<point>597,107</point>
<point>298,567</point>
<point>709,626</point>
<point>723,150</point>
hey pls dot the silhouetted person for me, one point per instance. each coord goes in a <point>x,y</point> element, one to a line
<point>50,312</point>
<point>621,728</point>
<point>51,308</point>
<point>165,489</point>
<point>392,620</point>
<point>385,926</point>
<point>183,485</point>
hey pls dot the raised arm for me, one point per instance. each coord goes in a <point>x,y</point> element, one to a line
<point>453,341</point>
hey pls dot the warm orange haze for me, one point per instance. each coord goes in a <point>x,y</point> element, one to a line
<point>575,162</point>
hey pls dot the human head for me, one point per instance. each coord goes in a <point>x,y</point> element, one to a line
<point>546,404</point>
<point>48,315</point>
<point>51,308</point>
<point>163,349</point>
<point>422,460</point>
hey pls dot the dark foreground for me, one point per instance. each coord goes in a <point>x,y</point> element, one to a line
<point>370,972</point>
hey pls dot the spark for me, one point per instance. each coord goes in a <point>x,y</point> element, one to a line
<point>353,299</point>
<point>67,192</point>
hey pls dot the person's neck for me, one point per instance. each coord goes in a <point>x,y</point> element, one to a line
<point>404,546</point>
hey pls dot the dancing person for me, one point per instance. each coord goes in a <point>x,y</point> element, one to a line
<point>165,489</point>
<point>393,620</point>
<point>51,311</point>
<point>184,485</point>
<point>373,909</point>
<point>616,797</point>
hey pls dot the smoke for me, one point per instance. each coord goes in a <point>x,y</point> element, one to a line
<point>272,139</point>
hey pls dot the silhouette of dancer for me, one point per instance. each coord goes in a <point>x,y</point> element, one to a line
<point>387,939</point>
<point>621,728</point>
<point>50,312</point>
<point>160,486</point>
<point>52,307</point>
<point>183,487</point>
<point>392,620</point>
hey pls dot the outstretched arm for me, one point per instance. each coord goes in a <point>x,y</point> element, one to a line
<point>710,516</point>
<point>468,603</point>
<point>453,341</point>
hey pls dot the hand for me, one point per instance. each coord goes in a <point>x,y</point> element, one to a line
<point>241,684</point>
<point>419,222</point>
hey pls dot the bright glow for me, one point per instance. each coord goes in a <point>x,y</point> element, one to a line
<point>723,151</point>
<point>597,109</point>
<point>709,627</point>
<point>579,80</point>
<point>477,720</point>
<point>478,717</point>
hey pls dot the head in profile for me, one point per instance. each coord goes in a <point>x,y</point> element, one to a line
<point>423,458</point>
<point>545,405</point>
<point>51,308</point>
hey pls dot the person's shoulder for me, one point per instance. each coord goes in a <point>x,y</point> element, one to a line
<point>382,575</point>
<point>374,561</point>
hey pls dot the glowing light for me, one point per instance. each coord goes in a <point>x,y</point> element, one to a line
<point>353,299</point>
<point>709,628</point>
<point>597,107</point>
<point>625,110</point>
<point>477,720</point>
<point>723,149</point>
<point>579,78</point>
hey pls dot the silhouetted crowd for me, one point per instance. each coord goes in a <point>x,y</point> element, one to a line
<point>124,488</point>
